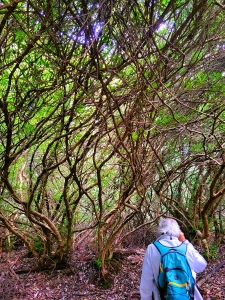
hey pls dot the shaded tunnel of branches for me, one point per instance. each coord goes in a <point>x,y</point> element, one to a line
<point>112,115</point>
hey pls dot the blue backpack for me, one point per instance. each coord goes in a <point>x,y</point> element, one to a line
<point>175,281</point>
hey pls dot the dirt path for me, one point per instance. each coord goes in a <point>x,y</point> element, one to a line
<point>81,280</point>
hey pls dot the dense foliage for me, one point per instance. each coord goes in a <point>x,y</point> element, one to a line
<point>112,115</point>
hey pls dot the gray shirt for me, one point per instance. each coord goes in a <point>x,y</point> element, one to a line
<point>150,268</point>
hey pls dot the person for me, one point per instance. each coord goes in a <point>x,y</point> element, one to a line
<point>170,236</point>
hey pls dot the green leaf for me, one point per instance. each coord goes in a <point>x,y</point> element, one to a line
<point>80,108</point>
<point>155,85</point>
<point>134,136</point>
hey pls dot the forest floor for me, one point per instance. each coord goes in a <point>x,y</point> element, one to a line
<point>20,278</point>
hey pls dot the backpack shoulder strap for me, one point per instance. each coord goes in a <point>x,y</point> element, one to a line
<point>163,249</point>
<point>182,248</point>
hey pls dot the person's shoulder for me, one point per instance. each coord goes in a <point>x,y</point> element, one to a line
<point>190,247</point>
<point>151,247</point>
<point>152,251</point>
